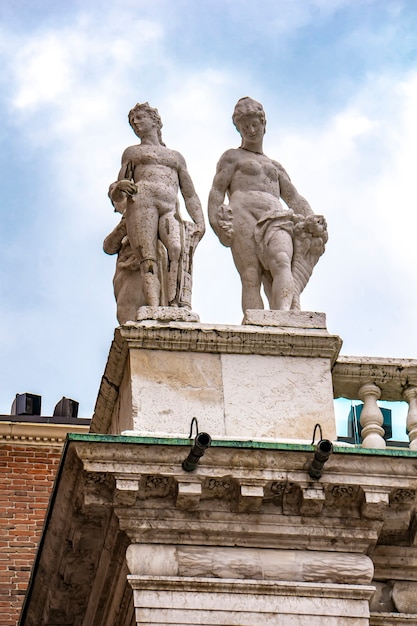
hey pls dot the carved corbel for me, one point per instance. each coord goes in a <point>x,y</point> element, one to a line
<point>188,494</point>
<point>312,500</point>
<point>375,502</point>
<point>97,488</point>
<point>291,500</point>
<point>250,497</point>
<point>126,491</point>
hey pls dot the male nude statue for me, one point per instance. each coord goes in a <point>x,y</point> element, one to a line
<point>255,224</point>
<point>149,180</point>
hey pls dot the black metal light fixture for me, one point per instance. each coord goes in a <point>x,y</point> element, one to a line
<point>202,441</point>
<point>322,454</point>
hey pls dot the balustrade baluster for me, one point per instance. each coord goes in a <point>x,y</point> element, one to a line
<point>410,395</point>
<point>371,417</point>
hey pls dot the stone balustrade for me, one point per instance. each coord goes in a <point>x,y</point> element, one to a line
<point>370,379</point>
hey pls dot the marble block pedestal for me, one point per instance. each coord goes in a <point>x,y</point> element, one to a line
<point>269,378</point>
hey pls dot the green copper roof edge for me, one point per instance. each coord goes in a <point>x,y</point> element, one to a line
<point>230,443</point>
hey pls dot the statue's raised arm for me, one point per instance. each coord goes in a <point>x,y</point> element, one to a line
<point>273,245</point>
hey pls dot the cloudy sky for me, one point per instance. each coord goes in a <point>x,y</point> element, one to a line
<point>338,81</point>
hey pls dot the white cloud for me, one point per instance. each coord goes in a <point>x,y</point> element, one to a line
<point>70,89</point>
<point>42,72</point>
<point>51,64</point>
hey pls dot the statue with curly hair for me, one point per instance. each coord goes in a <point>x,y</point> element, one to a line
<point>146,193</point>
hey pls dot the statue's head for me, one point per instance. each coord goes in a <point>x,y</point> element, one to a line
<point>247,106</point>
<point>151,112</point>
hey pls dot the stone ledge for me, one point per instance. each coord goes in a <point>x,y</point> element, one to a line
<point>282,477</point>
<point>392,376</point>
<point>223,339</point>
<point>232,601</point>
<point>395,563</point>
<point>166,314</point>
<point>239,586</point>
<point>284,319</point>
<point>393,619</point>
<point>36,434</point>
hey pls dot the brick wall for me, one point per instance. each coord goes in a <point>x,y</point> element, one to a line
<point>30,451</point>
<point>27,476</point>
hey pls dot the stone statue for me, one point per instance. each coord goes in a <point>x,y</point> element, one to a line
<point>272,245</point>
<point>127,281</point>
<point>146,193</point>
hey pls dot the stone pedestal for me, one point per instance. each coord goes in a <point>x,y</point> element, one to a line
<point>267,379</point>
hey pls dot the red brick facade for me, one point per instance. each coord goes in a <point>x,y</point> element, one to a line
<point>30,452</point>
<point>28,473</point>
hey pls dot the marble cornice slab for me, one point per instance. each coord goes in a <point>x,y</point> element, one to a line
<point>367,490</point>
<point>246,459</point>
<point>228,339</point>
<point>265,587</point>
<point>395,562</point>
<point>393,619</point>
<point>391,375</point>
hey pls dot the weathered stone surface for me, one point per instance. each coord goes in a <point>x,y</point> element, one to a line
<point>392,376</point>
<point>300,550</point>
<point>404,596</point>
<point>274,246</point>
<point>228,339</point>
<point>280,398</point>
<point>154,254</point>
<point>250,563</point>
<point>381,601</point>
<point>395,561</point>
<point>282,477</point>
<point>250,497</point>
<point>242,381</point>
<point>245,603</point>
<point>393,619</point>
<point>127,280</point>
<point>188,494</point>
<point>170,388</point>
<point>285,319</point>
<point>375,502</point>
<point>166,314</point>
<point>313,499</point>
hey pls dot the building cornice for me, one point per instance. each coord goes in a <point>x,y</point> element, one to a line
<point>38,434</point>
